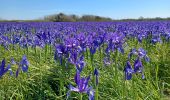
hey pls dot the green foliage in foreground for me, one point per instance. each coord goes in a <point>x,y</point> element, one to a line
<point>47,80</point>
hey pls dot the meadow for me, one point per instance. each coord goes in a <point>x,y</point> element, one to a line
<point>127,60</point>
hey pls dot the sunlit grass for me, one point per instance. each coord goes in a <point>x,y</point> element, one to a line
<point>47,79</point>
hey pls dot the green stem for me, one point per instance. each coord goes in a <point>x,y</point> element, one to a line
<point>19,48</point>
<point>124,89</point>
<point>157,78</point>
<point>46,47</point>
<point>92,67</point>
<point>61,83</point>
<point>39,56</point>
<point>60,87</point>
<point>35,49</point>
<point>80,96</point>
<point>50,50</point>
<point>116,65</point>
<point>27,50</point>
<point>134,88</point>
<point>87,54</point>
<point>97,93</point>
<point>101,58</point>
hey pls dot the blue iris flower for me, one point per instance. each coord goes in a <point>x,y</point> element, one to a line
<point>82,86</point>
<point>3,70</point>
<point>92,50</point>
<point>96,73</point>
<point>156,39</point>
<point>24,64</point>
<point>138,67</point>
<point>80,63</point>
<point>141,53</point>
<point>128,71</point>
<point>132,52</point>
<point>60,51</point>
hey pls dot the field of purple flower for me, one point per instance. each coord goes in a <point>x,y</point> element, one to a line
<point>85,60</point>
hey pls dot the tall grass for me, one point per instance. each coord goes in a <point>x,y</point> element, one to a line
<point>47,79</point>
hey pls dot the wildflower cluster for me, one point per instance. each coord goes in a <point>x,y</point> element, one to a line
<point>138,66</point>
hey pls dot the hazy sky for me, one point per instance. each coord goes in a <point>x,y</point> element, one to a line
<point>116,9</point>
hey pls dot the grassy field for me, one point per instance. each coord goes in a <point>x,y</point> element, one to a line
<point>48,79</point>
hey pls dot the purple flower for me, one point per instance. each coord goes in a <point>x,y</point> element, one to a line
<point>115,42</point>
<point>138,67</point>
<point>120,49</point>
<point>141,53</point>
<point>73,57</point>
<point>107,61</point>
<point>82,83</point>
<point>156,39</point>
<point>167,36</point>
<point>147,59</point>
<point>132,52</point>
<point>82,86</point>
<point>92,50</point>
<point>13,61</point>
<point>128,71</point>
<point>24,64</point>
<point>141,36</point>
<point>60,51</point>
<point>71,43</point>
<point>3,70</point>
<point>23,42</point>
<point>91,93</point>
<point>96,73</point>
<point>80,64</point>
<point>17,72</point>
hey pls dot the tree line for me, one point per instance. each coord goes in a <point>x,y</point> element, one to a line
<point>61,17</point>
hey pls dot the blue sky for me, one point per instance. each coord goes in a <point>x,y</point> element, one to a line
<point>116,9</point>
